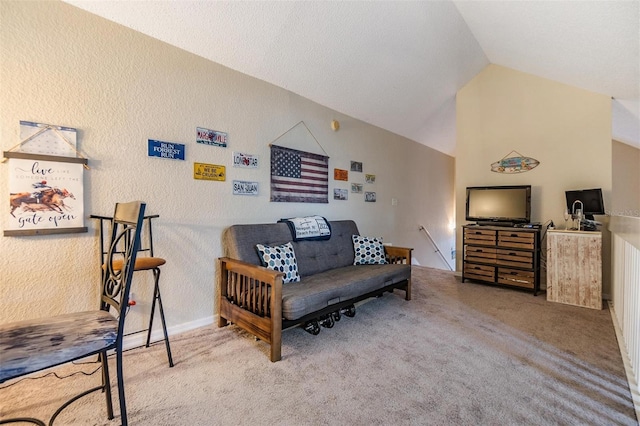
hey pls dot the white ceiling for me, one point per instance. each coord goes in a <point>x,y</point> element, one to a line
<point>399,64</point>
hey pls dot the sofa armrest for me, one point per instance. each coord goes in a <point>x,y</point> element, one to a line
<point>398,254</point>
<point>249,269</point>
<point>251,296</point>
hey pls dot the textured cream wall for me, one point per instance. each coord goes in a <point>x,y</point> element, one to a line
<point>565,128</point>
<point>625,196</point>
<point>61,65</point>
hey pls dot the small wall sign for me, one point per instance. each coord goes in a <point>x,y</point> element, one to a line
<point>174,151</point>
<point>340,174</point>
<point>202,171</point>
<point>211,137</point>
<point>246,161</point>
<point>340,194</point>
<point>514,162</point>
<point>242,187</point>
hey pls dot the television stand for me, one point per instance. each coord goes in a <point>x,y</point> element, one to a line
<point>503,256</point>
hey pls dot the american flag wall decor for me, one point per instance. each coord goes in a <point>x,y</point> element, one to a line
<point>298,176</point>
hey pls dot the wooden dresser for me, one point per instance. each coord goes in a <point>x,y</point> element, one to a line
<point>574,268</point>
<point>504,256</point>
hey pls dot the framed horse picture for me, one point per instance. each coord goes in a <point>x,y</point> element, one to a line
<point>45,194</point>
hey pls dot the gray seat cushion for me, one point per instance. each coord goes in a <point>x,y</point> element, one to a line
<point>338,285</point>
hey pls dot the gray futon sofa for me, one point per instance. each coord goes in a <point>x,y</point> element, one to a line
<point>255,298</point>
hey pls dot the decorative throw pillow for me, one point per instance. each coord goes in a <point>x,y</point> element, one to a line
<point>368,250</point>
<point>282,259</point>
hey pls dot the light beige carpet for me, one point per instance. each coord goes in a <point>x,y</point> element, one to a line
<point>458,354</point>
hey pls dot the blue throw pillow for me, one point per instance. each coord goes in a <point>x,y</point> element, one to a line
<point>282,259</point>
<point>368,250</point>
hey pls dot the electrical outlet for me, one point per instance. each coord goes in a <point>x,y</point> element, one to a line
<point>394,201</point>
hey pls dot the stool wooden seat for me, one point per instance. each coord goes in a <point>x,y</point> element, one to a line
<point>142,263</point>
<point>146,263</point>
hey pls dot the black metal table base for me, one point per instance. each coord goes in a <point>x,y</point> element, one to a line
<point>23,420</point>
<point>57,413</point>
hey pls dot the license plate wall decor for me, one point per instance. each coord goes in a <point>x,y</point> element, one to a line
<point>174,151</point>
<point>243,187</point>
<point>246,161</point>
<point>211,137</point>
<point>202,171</point>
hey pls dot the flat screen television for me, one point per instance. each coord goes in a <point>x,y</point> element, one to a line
<point>591,201</point>
<point>499,205</point>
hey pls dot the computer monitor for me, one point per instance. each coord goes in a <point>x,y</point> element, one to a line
<point>591,199</point>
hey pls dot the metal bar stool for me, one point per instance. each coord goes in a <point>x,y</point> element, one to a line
<point>144,263</point>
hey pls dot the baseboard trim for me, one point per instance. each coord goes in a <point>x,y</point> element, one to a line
<point>628,368</point>
<point>139,338</point>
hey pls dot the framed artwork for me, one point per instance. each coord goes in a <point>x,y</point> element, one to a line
<point>357,188</point>
<point>46,194</point>
<point>356,166</point>
<point>370,197</point>
<point>340,194</point>
<point>298,176</point>
<point>370,178</point>
<point>340,174</point>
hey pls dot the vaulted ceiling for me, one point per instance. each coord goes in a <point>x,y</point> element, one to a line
<point>398,64</point>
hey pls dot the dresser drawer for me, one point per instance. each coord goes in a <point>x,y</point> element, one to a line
<point>523,259</point>
<point>479,272</point>
<point>516,277</point>
<point>517,239</point>
<point>480,254</point>
<point>483,237</point>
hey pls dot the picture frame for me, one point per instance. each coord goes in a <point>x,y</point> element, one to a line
<point>340,174</point>
<point>340,194</point>
<point>356,166</point>
<point>46,194</point>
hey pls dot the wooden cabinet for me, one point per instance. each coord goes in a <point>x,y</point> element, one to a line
<point>574,268</point>
<point>505,256</point>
